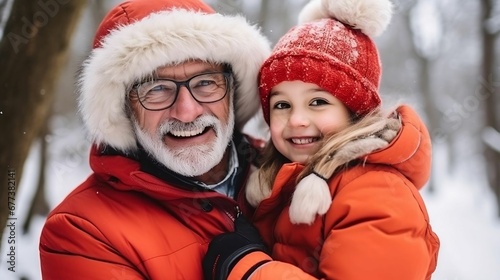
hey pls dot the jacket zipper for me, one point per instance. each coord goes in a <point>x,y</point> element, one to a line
<point>231,216</point>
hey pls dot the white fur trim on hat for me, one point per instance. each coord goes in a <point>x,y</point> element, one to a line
<point>370,16</point>
<point>133,51</point>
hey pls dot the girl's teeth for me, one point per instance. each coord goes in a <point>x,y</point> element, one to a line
<point>302,141</point>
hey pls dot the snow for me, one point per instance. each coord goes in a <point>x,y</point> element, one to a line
<point>462,211</point>
<point>463,214</point>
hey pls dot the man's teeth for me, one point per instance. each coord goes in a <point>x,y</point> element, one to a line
<point>302,141</point>
<point>184,133</point>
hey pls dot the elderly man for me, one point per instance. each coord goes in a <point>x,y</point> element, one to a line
<point>164,96</point>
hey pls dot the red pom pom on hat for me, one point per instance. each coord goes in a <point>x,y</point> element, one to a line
<point>332,49</point>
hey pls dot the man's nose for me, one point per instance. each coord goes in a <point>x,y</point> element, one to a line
<point>185,108</point>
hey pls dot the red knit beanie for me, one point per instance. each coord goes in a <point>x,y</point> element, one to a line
<point>333,49</point>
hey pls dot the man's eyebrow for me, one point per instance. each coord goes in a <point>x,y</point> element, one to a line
<point>206,69</point>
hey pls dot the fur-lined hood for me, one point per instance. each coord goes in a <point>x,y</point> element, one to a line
<point>138,36</point>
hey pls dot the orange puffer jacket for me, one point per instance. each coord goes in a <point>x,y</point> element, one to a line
<point>123,223</point>
<point>377,226</point>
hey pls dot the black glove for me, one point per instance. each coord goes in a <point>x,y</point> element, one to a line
<point>227,249</point>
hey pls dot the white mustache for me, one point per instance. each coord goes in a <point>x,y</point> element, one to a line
<point>181,129</point>
<point>193,160</point>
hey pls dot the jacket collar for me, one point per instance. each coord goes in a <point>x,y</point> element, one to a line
<point>410,152</point>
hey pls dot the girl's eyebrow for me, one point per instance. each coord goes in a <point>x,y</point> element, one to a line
<point>274,93</point>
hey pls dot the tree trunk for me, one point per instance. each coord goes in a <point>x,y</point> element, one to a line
<point>33,50</point>
<point>431,111</point>
<point>426,92</point>
<point>39,205</point>
<point>490,92</point>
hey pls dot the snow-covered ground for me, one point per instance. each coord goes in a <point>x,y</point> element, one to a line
<point>463,214</point>
<point>462,211</point>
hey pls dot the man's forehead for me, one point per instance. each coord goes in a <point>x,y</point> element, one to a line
<point>186,69</point>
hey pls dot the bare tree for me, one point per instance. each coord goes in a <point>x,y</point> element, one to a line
<point>490,91</point>
<point>39,205</point>
<point>33,49</point>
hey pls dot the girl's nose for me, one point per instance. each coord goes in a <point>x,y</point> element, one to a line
<point>298,118</point>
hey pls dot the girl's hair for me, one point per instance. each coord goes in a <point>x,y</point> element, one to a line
<point>270,163</point>
<point>323,162</point>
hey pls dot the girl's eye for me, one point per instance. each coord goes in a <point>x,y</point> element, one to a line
<point>281,105</point>
<point>319,102</point>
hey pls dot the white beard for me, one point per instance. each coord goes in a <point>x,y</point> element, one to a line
<point>193,160</point>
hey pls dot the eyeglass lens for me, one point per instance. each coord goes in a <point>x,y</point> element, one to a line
<point>160,94</point>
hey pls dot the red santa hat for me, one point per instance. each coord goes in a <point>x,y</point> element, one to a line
<point>138,36</point>
<point>332,47</point>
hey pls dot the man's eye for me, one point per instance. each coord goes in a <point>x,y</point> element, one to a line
<point>161,88</point>
<point>205,83</point>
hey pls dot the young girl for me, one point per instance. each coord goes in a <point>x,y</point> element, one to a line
<point>337,194</point>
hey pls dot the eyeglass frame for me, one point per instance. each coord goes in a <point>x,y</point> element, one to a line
<point>227,77</point>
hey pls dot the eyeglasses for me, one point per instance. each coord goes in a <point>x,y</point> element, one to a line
<point>160,94</point>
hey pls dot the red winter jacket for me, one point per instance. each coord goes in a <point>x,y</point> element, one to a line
<point>123,223</point>
<point>376,228</point>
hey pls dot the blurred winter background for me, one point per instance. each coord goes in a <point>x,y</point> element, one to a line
<point>442,56</point>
